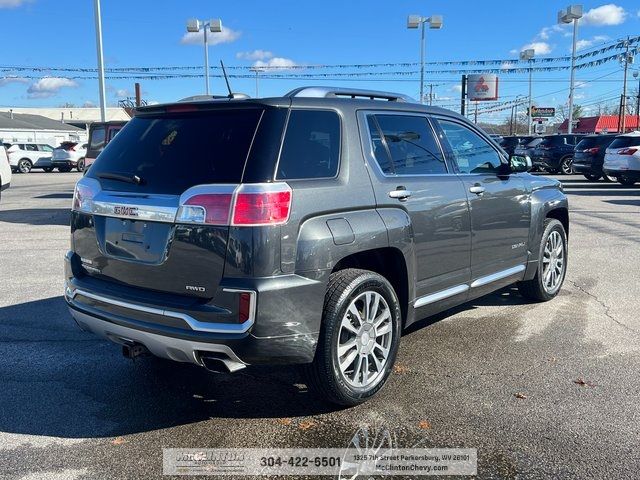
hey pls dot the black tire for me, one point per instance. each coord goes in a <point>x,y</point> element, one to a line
<point>566,166</point>
<point>64,169</point>
<point>324,375</point>
<point>608,178</point>
<point>592,178</point>
<point>24,165</point>
<point>48,169</point>
<point>534,289</point>
<point>626,181</point>
<point>80,165</point>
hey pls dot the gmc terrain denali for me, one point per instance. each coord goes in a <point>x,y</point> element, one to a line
<point>306,229</point>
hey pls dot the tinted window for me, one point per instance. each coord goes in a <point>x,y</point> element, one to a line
<point>470,151</point>
<point>30,147</point>
<point>96,142</point>
<point>379,148</point>
<point>590,142</point>
<point>173,152</point>
<point>311,147</point>
<point>623,142</point>
<point>113,131</point>
<point>45,148</point>
<point>410,145</point>
<point>534,143</point>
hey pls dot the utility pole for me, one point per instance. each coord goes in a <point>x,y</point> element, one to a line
<point>515,119</point>
<point>622,122</point>
<point>463,95</point>
<point>511,122</point>
<point>430,94</point>
<point>475,115</point>
<point>101,88</point>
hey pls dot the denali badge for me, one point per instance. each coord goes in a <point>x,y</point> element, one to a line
<point>128,211</point>
<point>517,245</point>
<point>195,289</point>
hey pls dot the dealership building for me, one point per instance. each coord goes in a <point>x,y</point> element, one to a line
<point>601,124</point>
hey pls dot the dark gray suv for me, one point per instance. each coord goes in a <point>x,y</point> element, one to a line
<point>306,229</point>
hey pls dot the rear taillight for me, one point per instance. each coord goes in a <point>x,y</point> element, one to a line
<point>244,205</point>
<point>592,150</point>
<point>627,151</point>
<point>244,307</point>
<point>86,189</point>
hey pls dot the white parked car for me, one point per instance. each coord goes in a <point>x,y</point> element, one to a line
<point>69,155</point>
<point>5,170</point>
<point>25,156</point>
<point>622,158</point>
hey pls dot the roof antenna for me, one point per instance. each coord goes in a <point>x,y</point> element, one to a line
<point>226,79</point>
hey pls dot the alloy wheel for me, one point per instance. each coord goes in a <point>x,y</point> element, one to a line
<point>553,262</point>
<point>364,340</point>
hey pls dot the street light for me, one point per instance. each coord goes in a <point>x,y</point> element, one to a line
<point>215,26</point>
<point>528,55</point>
<point>572,14</point>
<point>415,21</point>
<point>101,89</point>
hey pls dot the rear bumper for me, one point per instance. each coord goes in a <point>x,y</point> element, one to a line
<point>284,328</point>
<point>65,163</point>
<point>586,168</point>
<point>546,162</point>
<point>3,187</point>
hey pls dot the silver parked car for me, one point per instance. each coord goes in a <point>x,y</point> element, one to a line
<point>25,156</point>
<point>69,155</point>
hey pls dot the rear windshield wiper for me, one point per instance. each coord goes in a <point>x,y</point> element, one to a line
<point>121,177</point>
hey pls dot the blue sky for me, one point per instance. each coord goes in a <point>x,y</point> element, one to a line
<point>60,33</point>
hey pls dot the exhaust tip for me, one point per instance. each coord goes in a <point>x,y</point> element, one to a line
<point>218,362</point>
<point>134,350</point>
<point>215,365</point>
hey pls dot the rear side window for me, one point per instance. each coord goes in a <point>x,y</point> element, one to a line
<point>624,142</point>
<point>96,142</point>
<point>30,147</point>
<point>406,145</point>
<point>173,152</point>
<point>311,147</point>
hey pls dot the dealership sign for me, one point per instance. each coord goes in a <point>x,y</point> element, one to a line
<point>482,86</point>
<point>548,112</point>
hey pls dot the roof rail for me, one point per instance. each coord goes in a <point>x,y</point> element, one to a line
<point>200,98</point>
<point>336,92</point>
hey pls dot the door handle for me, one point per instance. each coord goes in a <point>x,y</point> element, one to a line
<point>477,189</point>
<point>400,193</point>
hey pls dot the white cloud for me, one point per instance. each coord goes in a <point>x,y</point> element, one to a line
<point>457,88</point>
<point>546,32</point>
<point>89,104</point>
<point>227,35</point>
<point>541,48</point>
<point>609,14</point>
<point>506,65</point>
<point>7,80</point>
<point>12,3</point>
<point>122,93</point>
<point>586,43</point>
<point>255,55</point>
<point>49,86</point>
<point>275,63</point>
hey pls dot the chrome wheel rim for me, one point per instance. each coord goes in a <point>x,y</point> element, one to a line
<point>24,167</point>
<point>553,262</point>
<point>567,166</point>
<point>364,340</point>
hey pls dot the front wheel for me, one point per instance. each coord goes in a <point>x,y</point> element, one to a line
<point>566,166</point>
<point>359,337</point>
<point>80,165</point>
<point>552,264</point>
<point>24,165</point>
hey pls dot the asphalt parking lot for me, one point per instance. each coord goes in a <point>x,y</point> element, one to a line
<point>539,389</point>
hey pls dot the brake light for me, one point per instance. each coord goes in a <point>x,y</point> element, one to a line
<point>244,205</point>
<point>262,208</point>
<point>627,151</point>
<point>86,189</point>
<point>592,150</point>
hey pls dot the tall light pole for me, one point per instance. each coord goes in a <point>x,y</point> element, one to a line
<point>101,89</point>
<point>415,21</point>
<point>573,13</point>
<point>528,55</point>
<point>636,75</point>
<point>215,26</point>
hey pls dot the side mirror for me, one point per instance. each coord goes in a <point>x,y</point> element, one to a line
<point>520,163</point>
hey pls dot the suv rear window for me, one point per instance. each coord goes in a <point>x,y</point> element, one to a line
<point>173,152</point>
<point>624,142</point>
<point>96,142</point>
<point>311,147</point>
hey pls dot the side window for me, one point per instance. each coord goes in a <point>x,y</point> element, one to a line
<point>31,147</point>
<point>379,148</point>
<point>113,132</point>
<point>410,145</point>
<point>470,151</point>
<point>96,142</point>
<point>311,147</point>
<point>45,148</point>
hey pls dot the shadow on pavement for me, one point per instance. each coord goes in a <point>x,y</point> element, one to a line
<point>59,381</point>
<point>57,195</point>
<point>37,216</point>
<point>635,203</point>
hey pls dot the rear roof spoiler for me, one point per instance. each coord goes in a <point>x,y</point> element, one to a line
<point>333,92</point>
